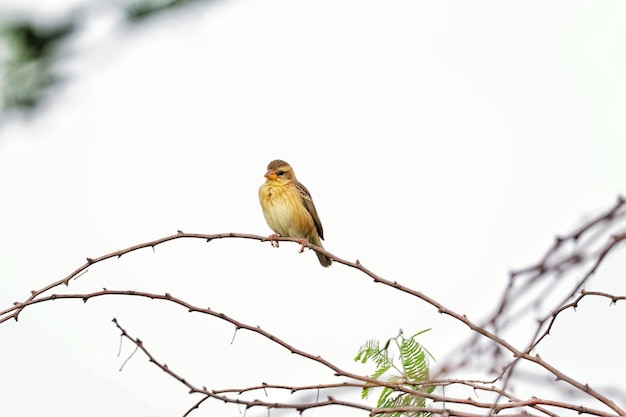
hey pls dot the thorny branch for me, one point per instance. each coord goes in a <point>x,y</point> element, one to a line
<point>579,248</point>
<point>586,248</point>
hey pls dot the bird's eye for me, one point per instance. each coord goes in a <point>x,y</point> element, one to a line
<point>281,172</point>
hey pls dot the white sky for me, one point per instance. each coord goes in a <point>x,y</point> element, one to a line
<point>444,143</point>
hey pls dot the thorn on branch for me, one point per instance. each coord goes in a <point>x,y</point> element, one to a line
<point>90,261</point>
<point>119,349</point>
<point>576,258</point>
<point>78,276</point>
<point>128,358</point>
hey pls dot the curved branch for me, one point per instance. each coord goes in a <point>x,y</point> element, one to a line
<point>402,386</point>
<point>37,297</point>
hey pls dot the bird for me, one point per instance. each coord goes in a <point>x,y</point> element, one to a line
<point>288,208</point>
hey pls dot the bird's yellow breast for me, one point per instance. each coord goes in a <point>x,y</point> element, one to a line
<point>284,210</point>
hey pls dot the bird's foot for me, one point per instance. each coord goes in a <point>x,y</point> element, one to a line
<point>274,240</point>
<point>303,242</point>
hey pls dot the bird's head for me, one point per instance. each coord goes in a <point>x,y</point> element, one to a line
<point>280,171</point>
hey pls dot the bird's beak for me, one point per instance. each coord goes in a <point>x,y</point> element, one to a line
<point>271,174</point>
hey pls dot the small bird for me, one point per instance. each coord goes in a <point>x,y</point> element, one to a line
<point>289,209</point>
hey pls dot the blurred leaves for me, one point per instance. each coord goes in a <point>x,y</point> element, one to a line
<point>31,49</point>
<point>140,10</point>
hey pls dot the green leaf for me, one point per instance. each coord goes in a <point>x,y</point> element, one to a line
<point>380,371</point>
<point>413,367</point>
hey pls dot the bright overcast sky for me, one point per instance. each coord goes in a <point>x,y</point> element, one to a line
<point>444,143</point>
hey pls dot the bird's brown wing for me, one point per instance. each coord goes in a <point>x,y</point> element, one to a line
<point>310,207</point>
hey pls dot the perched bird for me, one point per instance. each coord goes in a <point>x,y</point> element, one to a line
<point>289,209</point>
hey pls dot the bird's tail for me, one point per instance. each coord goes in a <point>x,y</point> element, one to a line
<point>324,260</point>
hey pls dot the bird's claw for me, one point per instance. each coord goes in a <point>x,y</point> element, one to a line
<point>273,238</point>
<point>303,242</point>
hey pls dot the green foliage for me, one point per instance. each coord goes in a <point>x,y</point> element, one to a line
<point>410,368</point>
<point>29,51</point>
<point>142,9</point>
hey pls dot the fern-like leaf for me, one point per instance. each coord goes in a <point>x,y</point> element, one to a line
<point>414,360</point>
<point>413,368</point>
